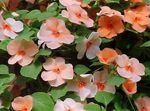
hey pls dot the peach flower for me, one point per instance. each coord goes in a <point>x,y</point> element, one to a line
<point>9,27</point>
<point>22,103</point>
<point>70,2</point>
<point>107,11</point>
<point>143,103</point>
<point>100,80</point>
<point>90,46</point>
<point>30,1</point>
<point>129,87</point>
<point>22,51</point>
<point>139,18</point>
<point>68,105</point>
<point>109,27</point>
<point>130,68</point>
<point>57,72</point>
<point>83,86</point>
<point>77,15</point>
<point>107,55</point>
<point>54,33</point>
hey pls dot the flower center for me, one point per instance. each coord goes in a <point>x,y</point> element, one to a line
<point>81,84</point>
<point>22,53</point>
<point>7,27</point>
<point>25,109</point>
<point>129,68</point>
<point>78,15</point>
<point>57,70</point>
<point>143,109</point>
<point>88,44</point>
<point>100,86</point>
<point>56,33</point>
<point>137,19</point>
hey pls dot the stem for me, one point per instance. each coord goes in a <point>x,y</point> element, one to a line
<point>131,103</point>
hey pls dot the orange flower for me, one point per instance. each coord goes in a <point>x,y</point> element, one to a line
<point>22,103</point>
<point>129,87</point>
<point>138,17</point>
<point>110,23</point>
<point>137,1</point>
<point>107,55</point>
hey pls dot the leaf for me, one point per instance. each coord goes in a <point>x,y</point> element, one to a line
<point>87,1</point>
<point>42,101</point>
<point>2,88</point>
<point>4,69</point>
<point>92,107</point>
<point>104,97</point>
<point>6,78</point>
<point>3,45</point>
<point>58,92</point>
<point>81,69</point>
<point>115,80</point>
<point>113,1</point>
<point>32,70</point>
<point>146,44</point>
<point>33,14</point>
<point>46,15</point>
<point>53,7</point>
<point>44,52</point>
<point>147,68</point>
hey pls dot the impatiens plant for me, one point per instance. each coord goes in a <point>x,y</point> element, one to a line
<point>74,55</point>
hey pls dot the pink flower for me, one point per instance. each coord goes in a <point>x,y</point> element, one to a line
<point>107,11</point>
<point>54,33</point>
<point>57,72</point>
<point>30,1</point>
<point>77,15</point>
<point>129,87</point>
<point>129,68</point>
<point>68,105</point>
<point>70,2</point>
<point>9,28</point>
<point>83,86</point>
<point>90,46</point>
<point>22,103</point>
<point>22,51</point>
<point>143,103</point>
<point>100,80</point>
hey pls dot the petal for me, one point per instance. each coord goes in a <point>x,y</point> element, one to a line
<point>123,73</point>
<point>10,34</point>
<point>92,51</point>
<point>81,51</point>
<point>48,75</point>
<point>53,45</point>
<point>59,81</point>
<point>14,59</point>
<point>83,93</point>
<point>68,72</point>
<point>17,26</point>
<point>59,105</point>
<point>110,88</point>
<point>122,60</point>
<point>25,61</point>
<point>138,27</point>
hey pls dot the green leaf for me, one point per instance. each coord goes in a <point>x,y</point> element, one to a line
<point>147,68</point>
<point>53,7</point>
<point>42,101</point>
<point>2,88</point>
<point>81,69</point>
<point>147,1</point>
<point>32,70</point>
<point>87,1</point>
<point>113,1</point>
<point>115,80</point>
<point>33,14</point>
<point>104,97</point>
<point>6,78</point>
<point>46,15</point>
<point>4,69</point>
<point>3,45</point>
<point>146,44</point>
<point>58,92</point>
<point>44,52</point>
<point>92,107</point>
<point>26,34</point>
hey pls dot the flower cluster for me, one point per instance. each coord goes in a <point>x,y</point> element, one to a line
<point>74,55</point>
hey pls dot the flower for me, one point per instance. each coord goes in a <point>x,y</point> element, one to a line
<point>129,87</point>
<point>70,2</point>
<point>107,55</point>
<point>22,103</point>
<point>100,80</point>
<point>143,103</point>
<point>30,1</point>
<point>90,46</point>
<point>68,105</point>
<point>22,51</point>
<point>9,28</point>
<point>83,86</point>
<point>54,33</point>
<point>139,18</point>
<point>129,68</point>
<point>110,22</point>
<point>77,15</point>
<point>57,72</point>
